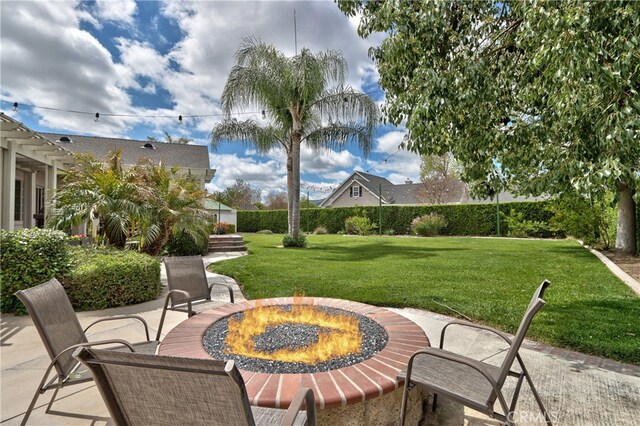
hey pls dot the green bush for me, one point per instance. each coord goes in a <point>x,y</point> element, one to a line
<point>183,244</point>
<point>291,241</point>
<point>29,257</point>
<point>265,232</point>
<point>105,278</point>
<point>519,227</point>
<point>462,219</point>
<point>428,225</point>
<point>358,225</point>
<point>593,221</point>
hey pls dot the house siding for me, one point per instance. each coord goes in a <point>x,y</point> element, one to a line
<point>344,200</point>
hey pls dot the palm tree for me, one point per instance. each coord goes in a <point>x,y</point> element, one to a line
<point>98,190</point>
<point>173,204</point>
<point>302,106</point>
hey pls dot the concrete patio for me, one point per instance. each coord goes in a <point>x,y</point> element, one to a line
<point>577,389</point>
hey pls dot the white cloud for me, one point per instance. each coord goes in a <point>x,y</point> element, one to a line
<point>267,175</point>
<point>389,142</point>
<point>116,10</point>
<point>326,160</point>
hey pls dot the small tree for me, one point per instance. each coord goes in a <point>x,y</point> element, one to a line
<point>182,140</point>
<point>440,180</point>
<point>240,195</point>
<point>276,200</point>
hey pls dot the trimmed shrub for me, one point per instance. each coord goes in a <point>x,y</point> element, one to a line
<point>320,230</point>
<point>462,219</point>
<point>29,257</point>
<point>105,278</point>
<point>358,225</point>
<point>265,231</point>
<point>183,244</point>
<point>222,228</point>
<point>428,225</point>
<point>291,241</point>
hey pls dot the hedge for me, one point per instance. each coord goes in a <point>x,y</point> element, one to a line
<point>105,278</point>
<point>462,219</point>
<point>29,257</point>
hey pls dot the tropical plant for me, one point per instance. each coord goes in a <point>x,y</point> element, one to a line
<point>105,191</point>
<point>173,205</point>
<point>302,106</point>
<point>182,140</point>
<point>299,241</point>
<point>550,91</point>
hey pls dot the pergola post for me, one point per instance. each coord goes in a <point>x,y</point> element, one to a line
<point>8,186</point>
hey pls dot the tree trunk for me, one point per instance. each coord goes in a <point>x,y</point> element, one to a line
<point>289,190</point>
<point>294,188</point>
<point>626,228</point>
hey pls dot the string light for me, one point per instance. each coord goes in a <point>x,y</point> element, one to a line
<point>180,117</point>
<point>383,161</point>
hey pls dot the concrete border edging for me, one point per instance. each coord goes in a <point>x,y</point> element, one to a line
<point>626,278</point>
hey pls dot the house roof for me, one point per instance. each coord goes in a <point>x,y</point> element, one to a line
<point>215,205</point>
<point>184,156</point>
<point>406,193</point>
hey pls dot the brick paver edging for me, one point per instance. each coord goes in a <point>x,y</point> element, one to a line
<point>368,379</point>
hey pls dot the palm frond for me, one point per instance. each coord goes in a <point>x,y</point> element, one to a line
<point>249,133</point>
<point>339,135</point>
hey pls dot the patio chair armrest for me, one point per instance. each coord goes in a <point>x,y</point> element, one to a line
<point>472,325</point>
<point>166,304</point>
<point>225,285</point>
<point>121,317</point>
<point>304,396</point>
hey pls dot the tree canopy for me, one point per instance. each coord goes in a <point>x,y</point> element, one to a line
<point>240,195</point>
<point>546,90</point>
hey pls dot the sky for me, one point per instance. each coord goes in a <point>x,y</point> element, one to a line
<point>153,61</point>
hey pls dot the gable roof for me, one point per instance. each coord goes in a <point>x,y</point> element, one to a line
<point>183,156</point>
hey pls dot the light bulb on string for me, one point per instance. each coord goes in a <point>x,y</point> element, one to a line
<point>97,117</point>
<point>180,119</point>
<point>15,106</point>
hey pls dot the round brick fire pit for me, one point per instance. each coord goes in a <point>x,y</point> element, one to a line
<point>342,387</point>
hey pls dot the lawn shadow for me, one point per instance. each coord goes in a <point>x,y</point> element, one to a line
<point>377,250</point>
<point>576,323</point>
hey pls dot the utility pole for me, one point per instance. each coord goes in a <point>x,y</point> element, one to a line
<point>498,212</point>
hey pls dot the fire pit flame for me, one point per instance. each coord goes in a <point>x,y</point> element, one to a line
<point>339,335</point>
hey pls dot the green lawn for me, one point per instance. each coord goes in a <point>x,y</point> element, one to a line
<point>489,280</point>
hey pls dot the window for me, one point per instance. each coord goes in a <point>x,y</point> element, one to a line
<point>39,200</point>
<point>355,191</point>
<point>19,202</point>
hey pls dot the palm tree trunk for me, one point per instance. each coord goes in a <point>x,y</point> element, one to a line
<point>626,229</point>
<point>294,184</point>
<point>289,190</point>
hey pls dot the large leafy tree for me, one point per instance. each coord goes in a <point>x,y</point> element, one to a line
<point>440,179</point>
<point>305,101</point>
<point>546,90</point>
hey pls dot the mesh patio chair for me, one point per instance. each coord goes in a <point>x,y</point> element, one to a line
<point>189,290</point>
<point>61,332</point>
<point>474,383</point>
<point>141,389</point>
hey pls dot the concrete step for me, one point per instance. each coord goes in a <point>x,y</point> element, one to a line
<point>223,243</point>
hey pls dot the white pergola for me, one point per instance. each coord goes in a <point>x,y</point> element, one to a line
<point>24,149</point>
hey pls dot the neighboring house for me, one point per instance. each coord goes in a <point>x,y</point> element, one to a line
<point>364,189</point>
<point>32,164</point>
<point>221,212</point>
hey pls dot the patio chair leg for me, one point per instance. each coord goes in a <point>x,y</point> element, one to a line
<point>30,409</point>
<point>435,402</point>
<point>516,393</point>
<point>51,400</point>
<point>538,399</point>
<point>403,407</point>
